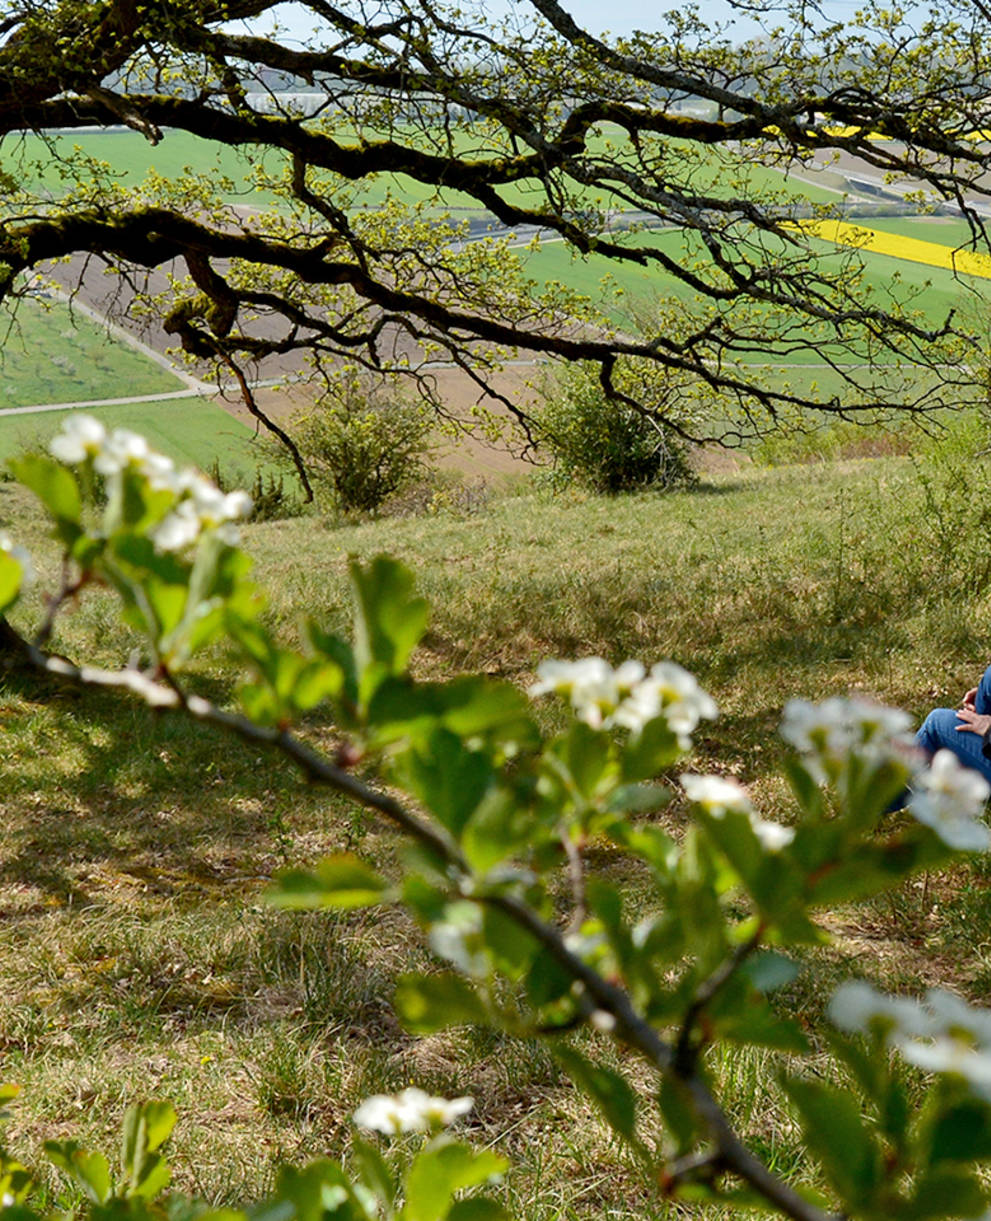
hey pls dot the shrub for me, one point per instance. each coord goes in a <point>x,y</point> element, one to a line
<point>366,443</point>
<point>270,501</point>
<point>607,445</point>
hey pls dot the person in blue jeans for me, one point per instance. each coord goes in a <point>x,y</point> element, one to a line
<point>965,730</point>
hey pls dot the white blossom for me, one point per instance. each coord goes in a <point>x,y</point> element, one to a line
<point>178,529</point>
<point>198,506</point>
<point>411,1110</point>
<point>716,794</point>
<point>682,699</point>
<point>160,472</point>
<point>81,437</point>
<point>950,798</point>
<point>719,795</point>
<point>7,1200</point>
<point>827,734</point>
<point>940,1034</point>
<point>122,448</point>
<point>627,697</point>
<point>857,1007</point>
<point>773,835</point>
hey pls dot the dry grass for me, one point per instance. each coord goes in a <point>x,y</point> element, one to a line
<point>135,849</point>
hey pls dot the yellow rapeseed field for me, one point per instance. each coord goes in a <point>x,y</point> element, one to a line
<point>914,249</point>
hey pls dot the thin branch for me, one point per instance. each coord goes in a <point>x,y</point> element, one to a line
<point>630,1027</point>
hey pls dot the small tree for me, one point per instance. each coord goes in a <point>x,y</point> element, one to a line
<point>365,443</point>
<point>608,444</point>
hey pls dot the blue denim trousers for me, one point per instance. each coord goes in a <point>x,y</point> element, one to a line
<point>939,731</point>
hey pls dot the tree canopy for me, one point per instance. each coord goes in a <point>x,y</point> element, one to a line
<point>543,126</point>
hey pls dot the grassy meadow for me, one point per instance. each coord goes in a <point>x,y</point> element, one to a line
<point>135,848</point>
<point>192,431</point>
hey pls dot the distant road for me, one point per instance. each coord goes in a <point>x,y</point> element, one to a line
<point>38,408</point>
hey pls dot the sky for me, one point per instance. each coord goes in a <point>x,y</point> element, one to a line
<point>624,16</point>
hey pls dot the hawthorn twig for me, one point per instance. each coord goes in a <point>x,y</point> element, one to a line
<point>629,1026</point>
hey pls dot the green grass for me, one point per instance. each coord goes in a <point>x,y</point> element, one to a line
<point>190,430</point>
<point>49,355</point>
<point>51,162</point>
<point>135,848</point>
<point>944,230</point>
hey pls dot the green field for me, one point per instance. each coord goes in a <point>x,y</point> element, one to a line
<point>51,355</point>
<point>931,291</point>
<point>944,230</point>
<point>191,431</point>
<point>49,163</point>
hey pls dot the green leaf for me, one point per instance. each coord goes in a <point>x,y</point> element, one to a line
<point>469,706</point>
<point>338,652</point>
<point>512,948</point>
<point>650,752</point>
<point>741,1014</point>
<point>610,1092</point>
<point>678,1114</point>
<point>428,1003</point>
<point>879,866</point>
<point>586,755</point>
<point>477,1208</point>
<point>146,1127</point>
<point>11,575</point>
<point>836,1134</point>
<point>89,1171</point>
<point>54,485</point>
<point>501,825</point>
<point>638,799</point>
<point>389,621</point>
<point>337,881</point>
<point>768,971</point>
<point>447,777</point>
<point>804,786</point>
<point>319,1190</point>
<point>944,1192</point>
<point>443,1168</point>
<point>651,844</point>
<point>373,1171</point>
<point>547,980</point>
<point>961,1134</point>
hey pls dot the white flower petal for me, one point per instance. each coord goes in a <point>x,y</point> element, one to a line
<point>950,798</point>
<point>411,1110</point>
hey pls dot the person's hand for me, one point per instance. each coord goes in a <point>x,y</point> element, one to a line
<point>970,698</point>
<point>972,722</point>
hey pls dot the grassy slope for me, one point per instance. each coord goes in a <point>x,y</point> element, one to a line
<point>192,431</point>
<point>135,848</point>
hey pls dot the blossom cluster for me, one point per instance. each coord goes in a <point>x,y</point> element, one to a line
<point>719,796</point>
<point>940,1034</point>
<point>827,734</point>
<point>411,1110</point>
<point>943,793</point>
<point>950,798</point>
<point>627,697</point>
<point>198,506</point>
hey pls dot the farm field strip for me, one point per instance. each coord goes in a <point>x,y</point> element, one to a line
<point>899,246</point>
